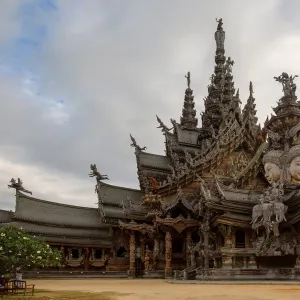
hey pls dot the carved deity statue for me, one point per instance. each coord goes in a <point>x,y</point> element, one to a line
<point>288,85</point>
<point>293,164</point>
<point>220,35</point>
<point>147,259</point>
<point>228,65</point>
<point>188,78</point>
<point>272,165</point>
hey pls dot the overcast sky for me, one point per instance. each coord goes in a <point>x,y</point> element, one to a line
<point>77,76</point>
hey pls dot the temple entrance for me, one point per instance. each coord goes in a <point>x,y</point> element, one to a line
<point>138,267</point>
<point>121,252</point>
<point>177,245</point>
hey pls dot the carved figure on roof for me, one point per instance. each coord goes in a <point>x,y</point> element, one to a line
<point>272,165</point>
<point>293,164</point>
<point>294,134</point>
<point>274,138</point>
<point>220,35</point>
<point>288,85</point>
<point>188,158</point>
<point>135,145</point>
<point>173,123</point>
<point>228,65</point>
<point>188,78</point>
<point>163,127</point>
<point>154,183</point>
<point>94,172</point>
<point>18,185</point>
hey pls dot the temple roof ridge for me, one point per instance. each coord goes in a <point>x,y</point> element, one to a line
<point>118,187</point>
<point>18,194</point>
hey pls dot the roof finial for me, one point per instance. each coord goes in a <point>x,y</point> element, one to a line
<point>251,89</point>
<point>18,186</point>
<point>188,78</point>
<point>220,23</point>
<point>135,145</point>
<point>220,37</point>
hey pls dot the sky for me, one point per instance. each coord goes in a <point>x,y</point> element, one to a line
<point>77,77</point>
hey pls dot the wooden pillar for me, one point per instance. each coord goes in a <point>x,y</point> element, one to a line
<point>187,248</point>
<point>168,269</point>
<point>142,247</point>
<point>155,253</point>
<point>86,259</point>
<point>247,239</point>
<point>63,256</point>
<point>233,239</point>
<point>132,254</point>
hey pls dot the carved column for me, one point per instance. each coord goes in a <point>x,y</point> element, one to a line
<point>247,239</point>
<point>226,231</point>
<point>297,262</point>
<point>206,244</point>
<point>187,248</point>
<point>155,253</point>
<point>168,269</point>
<point>132,254</point>
<point>63,256</point>
<point>86,259</point>
<point>142,247</point>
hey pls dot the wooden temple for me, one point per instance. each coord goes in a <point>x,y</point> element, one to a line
<point>221,203</point>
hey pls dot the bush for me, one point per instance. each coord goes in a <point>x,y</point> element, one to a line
<point>18,249</point>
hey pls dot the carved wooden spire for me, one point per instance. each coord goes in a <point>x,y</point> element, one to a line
<point>188,119</point>
<point>249,112</point>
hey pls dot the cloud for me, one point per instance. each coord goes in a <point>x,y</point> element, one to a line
<point>78,76</point>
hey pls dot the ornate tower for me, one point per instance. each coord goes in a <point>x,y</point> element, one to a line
<point>221,101</point>
<point>188,119</point>
<point>249,114</point>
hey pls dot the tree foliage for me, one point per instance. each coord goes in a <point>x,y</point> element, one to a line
<point>18,249</point>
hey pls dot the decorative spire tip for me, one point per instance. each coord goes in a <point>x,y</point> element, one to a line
<point>188,78</point>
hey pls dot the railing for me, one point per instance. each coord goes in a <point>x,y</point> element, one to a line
<point>240,245</point>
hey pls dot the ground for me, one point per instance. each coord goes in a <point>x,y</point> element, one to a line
<point>115,289</point>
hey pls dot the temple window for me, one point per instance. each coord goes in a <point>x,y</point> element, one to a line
<point>75,253</point>
<point>98,253</point>
<point>121,252</point>
<point>240,239</point>
<point>177,212</point>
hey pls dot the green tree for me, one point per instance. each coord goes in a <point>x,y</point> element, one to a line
<point>18,249</point>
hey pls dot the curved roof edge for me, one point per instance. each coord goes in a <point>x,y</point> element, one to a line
<point>118,187</point>
<point>52,202</point>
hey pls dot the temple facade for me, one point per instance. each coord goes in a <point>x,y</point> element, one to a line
<point>221,203</point>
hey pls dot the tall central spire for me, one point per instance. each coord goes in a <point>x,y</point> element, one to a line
<point>220,101</point>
